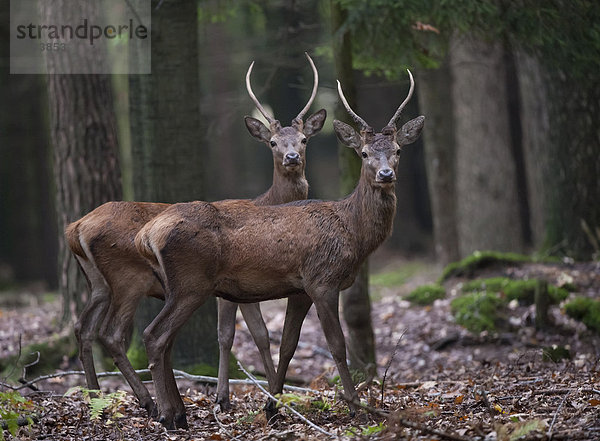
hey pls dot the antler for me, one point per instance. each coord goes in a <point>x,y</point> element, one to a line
<point>254,99</point>
<point>314,91</point>
<point>355,117</point>
<point>392,122</point>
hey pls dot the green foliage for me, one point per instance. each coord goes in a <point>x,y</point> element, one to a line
<point>478,260</point>
<point>389,35</point>
<point>521,290</point>
<point>585,309</point>
<point>100,404</point>
<point>303,403</point>
<point>426,294</point>
<point>137,352</point>
<point>365,430</point>
<point>12,407</point>
<point>555,353</point>
<point>477,311</point>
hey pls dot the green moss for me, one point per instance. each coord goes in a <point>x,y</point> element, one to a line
<point>477,311</point>
<point>521,290</point>
<point>426,294</point>
<point>478,260</point>
<point>586,310</point>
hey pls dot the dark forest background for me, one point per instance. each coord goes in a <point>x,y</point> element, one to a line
<point>509,159</point>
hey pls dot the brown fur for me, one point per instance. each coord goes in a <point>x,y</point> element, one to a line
<point>103,243</point>
<point>244,253</point>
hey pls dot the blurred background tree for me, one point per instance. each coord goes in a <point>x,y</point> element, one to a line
<point>510,156</point>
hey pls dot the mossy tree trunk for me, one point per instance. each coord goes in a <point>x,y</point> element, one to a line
<point>487,204</point>
<point>356,305</point>
<point>167,154</point>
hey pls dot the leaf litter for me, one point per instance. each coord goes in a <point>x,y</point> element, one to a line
<point>490,386</point>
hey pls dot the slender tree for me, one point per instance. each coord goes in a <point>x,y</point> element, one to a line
<point>356,304</point>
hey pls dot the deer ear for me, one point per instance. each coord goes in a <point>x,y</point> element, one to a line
<point>257,129</point>
<point>410,131</point>
<point>314,123</point>
<point>347,135</point>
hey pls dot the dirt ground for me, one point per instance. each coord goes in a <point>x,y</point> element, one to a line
<point>435,380</point>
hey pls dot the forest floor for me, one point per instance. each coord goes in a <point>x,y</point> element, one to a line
<point>436,380</point>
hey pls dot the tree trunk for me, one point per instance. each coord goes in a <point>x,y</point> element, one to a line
<point>573,191</point>
<point>167,155</point>
<point>535,124</point>
<point>356,305</point>
<point>435,99</point>
<point>487,205</point>
<point>84,137</point>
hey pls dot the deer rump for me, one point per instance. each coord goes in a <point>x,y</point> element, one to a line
<point>246,253</point>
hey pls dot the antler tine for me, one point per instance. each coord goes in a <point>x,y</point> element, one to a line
<point>355,117</point>
<point>392,122</point>
<point>253,97</point>
<point>314,91</point>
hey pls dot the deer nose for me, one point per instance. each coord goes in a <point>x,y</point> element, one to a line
<point>292,158</point>
<point>385,175</point>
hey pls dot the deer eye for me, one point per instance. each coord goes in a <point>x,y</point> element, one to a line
<point>273,143</point>
<point>303,141</point>
<point>398,152</point>
<point>364,154</point>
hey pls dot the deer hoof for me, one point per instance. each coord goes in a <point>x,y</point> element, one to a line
<point>271,411</point>
<point>224,404</point>
<point>181,421</point>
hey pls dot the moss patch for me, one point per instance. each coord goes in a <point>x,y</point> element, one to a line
<point>521,290</point>
<point>586,310</point>
<point>481,259</point>
<point>477,311</point>
<point>426,294</point>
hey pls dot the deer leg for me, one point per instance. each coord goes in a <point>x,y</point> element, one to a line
<point>226,333</point>
<point>297,308</point>
<point>260,335</point>
<point>114,336</point>
<point>92,315</point>
<point>158,338</point>
<point>327,304</point>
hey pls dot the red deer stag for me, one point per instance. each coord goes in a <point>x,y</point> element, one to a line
<point>244,253</point>
<point>103,244</point>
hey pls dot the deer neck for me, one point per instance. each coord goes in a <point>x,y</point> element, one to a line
<point>288,186</point>
<point>371,210</point>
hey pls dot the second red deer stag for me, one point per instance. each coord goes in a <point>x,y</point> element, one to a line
<point>103,243</point>
<point>244,253</point>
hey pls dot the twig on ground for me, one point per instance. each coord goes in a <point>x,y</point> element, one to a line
<point>299,415</point>
<point>407,423</point>
<point>222,426</point>
<point>178,374</point>
<point>549,434</point>
<point>389,363</point>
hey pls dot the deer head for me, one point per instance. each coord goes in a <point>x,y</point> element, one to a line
<point>379,151</point>
<point>288,144</point>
